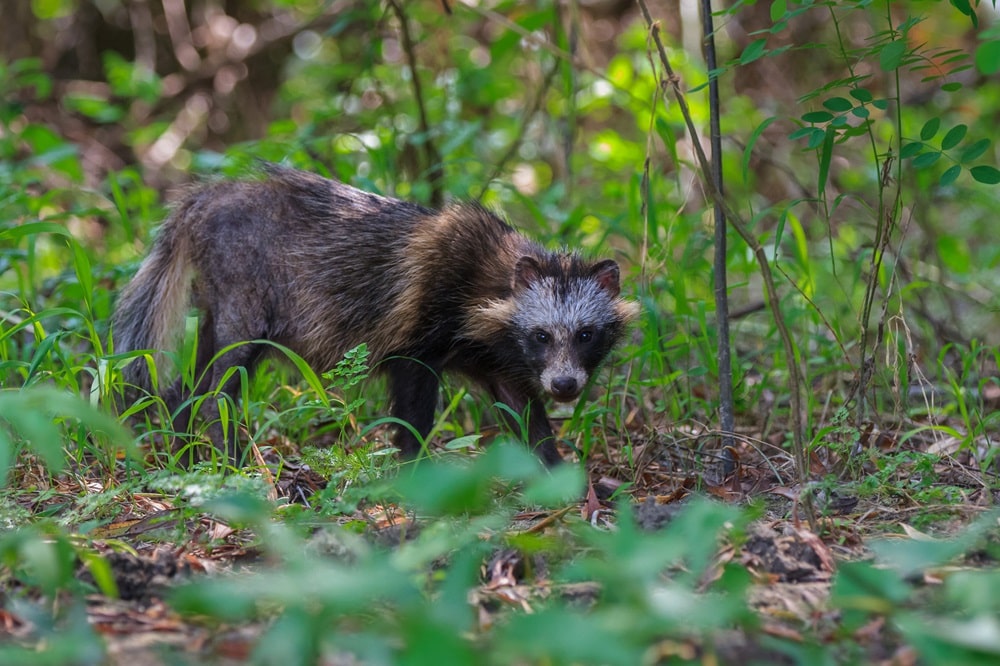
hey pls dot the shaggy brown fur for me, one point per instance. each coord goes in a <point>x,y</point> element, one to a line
<point>320,267</point>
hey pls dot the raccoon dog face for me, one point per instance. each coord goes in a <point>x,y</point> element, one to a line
<point>567,318</point>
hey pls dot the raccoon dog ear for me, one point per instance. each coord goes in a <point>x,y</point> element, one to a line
<point>526,271</point>
<point>607,275</point>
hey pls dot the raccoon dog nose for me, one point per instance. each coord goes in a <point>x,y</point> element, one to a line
<point>564,388</point>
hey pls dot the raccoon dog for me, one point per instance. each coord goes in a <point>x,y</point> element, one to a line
<point>320,267</point>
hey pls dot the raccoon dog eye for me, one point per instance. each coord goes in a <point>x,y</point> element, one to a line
<point>542,337</point>
<point>585,336</point>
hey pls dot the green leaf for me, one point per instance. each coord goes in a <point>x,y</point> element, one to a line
<point>753,51</point>
<point>891,55</point>
<point>429,640</point>
<point>754,136</point>
<point>35,415</point>
<point>300,364</point>
<point>860,589</point>
<point>778,10</point>
<point>465,134</point>
<point>924,160</point>
<point>816,139</point>
<point>511,40</point>
<point>965,7</point>
<point>862,95</point>
<point>911,149</point>
<point>985,174</point>
<point>668,136</point>
<point>42,351</point>
<point>49,561</point>
<point>954,137</point>
<point>52,9</point>
<point>51,150</point>
<point>94,107</point>
<point>449,488</point>
<point>565,636</point>
<point>40,139</point>
<point>802,132</point>
<point>968,640</point>
<point>975,151</point>
<point>463,442</point>
<point>240,508</point>
<point>563,485</point>
<point>131,79</point>
<point>950,176</point>
<point>83,270</point>
<point>856,579</point>
<point>825,156</point>
<point>322,585</point>
<point>910,556</point>
<point>988,57</point>
<point>291,639</point>
<point>838,104</point>
<point>32,228</point>
<point>973,590</point>
<point>930,128</point>
<point>779,231</point>
<point>954,252</point>
<point>817,117</point>
<point>100,569</point>
<point>952,56</point>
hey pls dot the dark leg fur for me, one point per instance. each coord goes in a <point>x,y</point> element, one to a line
<point>183,420</point>
<point>532,411</point>
<point>413,388</point>
<point>208,375</point>
<point>246,356</point>
<point>540,436</point>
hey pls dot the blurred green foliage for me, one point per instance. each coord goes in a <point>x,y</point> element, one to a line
<point>857,143</point>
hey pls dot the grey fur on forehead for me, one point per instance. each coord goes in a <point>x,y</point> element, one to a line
<point>563,307</point>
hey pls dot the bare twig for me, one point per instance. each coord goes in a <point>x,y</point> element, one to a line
<point>142,32</point>
<point>280,31</point>
<point>189,119</point>
<point>569,120</point>
<point>529,112</point>
<point>180,34</point>
<point>435,169</point>
<point>886,220</point>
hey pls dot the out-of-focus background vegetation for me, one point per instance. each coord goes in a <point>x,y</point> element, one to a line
<point>550,112</point>
<point>858,151</point>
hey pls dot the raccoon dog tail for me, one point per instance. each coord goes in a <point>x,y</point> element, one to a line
<point>151,308</point>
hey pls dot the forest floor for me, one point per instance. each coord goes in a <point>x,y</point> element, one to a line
<point>151,545</point>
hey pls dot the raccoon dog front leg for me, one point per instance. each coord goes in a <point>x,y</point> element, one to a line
<point>413,390</point>
<point>529,407</point>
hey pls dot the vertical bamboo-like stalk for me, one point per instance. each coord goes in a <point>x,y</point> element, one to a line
<point>724,351</point>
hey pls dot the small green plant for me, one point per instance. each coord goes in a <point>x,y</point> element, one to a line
<point>323,607</point>
<point>953,623</point>
<point>314,417</point>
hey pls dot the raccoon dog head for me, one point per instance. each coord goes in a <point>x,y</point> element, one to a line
<point>567,316</point>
